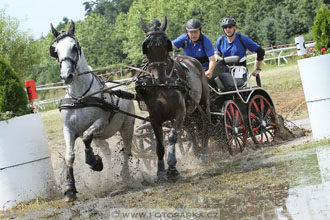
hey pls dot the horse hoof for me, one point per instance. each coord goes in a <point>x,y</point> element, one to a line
<point>98,166</point>
<point>70,196</point>
<point>161,176</point>
<point>172,174</point>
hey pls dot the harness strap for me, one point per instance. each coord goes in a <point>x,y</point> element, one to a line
<point>71,103</point>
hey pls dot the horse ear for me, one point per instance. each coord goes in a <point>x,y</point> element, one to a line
<point>144,26</point>
<point>71,28</point>
<point>164,24</point>
<point>54,31</point>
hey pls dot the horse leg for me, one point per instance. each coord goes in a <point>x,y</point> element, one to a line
<point>205,141</point>
<point>158,130</point>
<point>94,161</point>
<point>126,133</point>
<point>70,187</point>
<point>195,146</point>
<point>172,172</point>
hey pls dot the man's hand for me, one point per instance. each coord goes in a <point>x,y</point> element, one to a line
<point>256,72</point>
<point>208,74</point>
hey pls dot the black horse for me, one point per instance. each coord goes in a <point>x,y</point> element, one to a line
<point>173,89</point>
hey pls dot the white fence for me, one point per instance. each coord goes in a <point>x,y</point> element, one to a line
<point>276,54</point>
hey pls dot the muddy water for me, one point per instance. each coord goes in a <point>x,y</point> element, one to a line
<point>279,182</point>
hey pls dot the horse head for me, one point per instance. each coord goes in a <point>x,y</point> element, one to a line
<point>67,51</point>
<point>157,46</point>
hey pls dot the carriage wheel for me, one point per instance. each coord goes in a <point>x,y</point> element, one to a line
<point>262,120</point>
<point>146,146</point>
<point>236,133</point>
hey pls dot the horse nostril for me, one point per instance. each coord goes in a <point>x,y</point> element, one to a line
<point>69,78</point>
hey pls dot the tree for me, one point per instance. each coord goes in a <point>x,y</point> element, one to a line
<point>321,28</point>
<point>267,36</point>
<point>110,9</point>
<point>12,93</point>
<point>16,46</point>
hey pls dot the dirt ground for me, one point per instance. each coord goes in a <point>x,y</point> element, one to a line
<point>290,104</point>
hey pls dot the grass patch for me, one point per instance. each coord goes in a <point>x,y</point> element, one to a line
<point>301,147</point>
<point>280,78</point>
<point>53,124</point>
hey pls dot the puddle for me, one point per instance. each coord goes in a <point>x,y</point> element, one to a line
<point>298,188</point>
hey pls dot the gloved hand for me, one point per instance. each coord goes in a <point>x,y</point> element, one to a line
<point>217,56</point>
<point>256,72</point>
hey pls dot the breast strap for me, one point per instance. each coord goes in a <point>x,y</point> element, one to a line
<point>70,103</point>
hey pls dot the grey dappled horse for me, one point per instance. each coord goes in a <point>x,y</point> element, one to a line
<point>176,90</point>
<point>88,118</point>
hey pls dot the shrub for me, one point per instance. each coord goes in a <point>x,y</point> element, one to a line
<point>13,98</point>
<point>321,28</point>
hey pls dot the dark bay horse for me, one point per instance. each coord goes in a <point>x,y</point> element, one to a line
<point>92,117</point>
<point>174,89</point>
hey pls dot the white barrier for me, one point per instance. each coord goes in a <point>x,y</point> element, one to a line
<point>315,77</point>
<point>25,166</point>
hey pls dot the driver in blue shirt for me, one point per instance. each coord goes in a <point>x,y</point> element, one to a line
<point>236,44</point>
<point>197,45</point>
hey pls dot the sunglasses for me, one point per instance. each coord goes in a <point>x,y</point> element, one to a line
<point>230,26</point>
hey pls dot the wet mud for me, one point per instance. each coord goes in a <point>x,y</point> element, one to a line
<point>289,179</point>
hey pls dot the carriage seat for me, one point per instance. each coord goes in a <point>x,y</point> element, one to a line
<point>223,79</point>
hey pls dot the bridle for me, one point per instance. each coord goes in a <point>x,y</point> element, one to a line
<point>74,61</point>
<point>157,64</point>
<point>53,53</point>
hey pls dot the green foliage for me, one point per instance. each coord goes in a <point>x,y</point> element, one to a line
<point>109,9</point>
<point>13,97</point>
<point>111,34</point>
<point>16,46</point>
<point>321,28</point>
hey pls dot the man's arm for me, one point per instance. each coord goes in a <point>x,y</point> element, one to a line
<point>260,58</point>
<point>209,72</point>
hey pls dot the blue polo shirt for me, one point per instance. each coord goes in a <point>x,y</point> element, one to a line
<point>236,48</point>
<point>195,50</point>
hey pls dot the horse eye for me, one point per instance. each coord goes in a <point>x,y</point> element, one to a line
<point>75,49</point>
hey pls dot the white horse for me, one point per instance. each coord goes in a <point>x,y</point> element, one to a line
<point>92,117</point>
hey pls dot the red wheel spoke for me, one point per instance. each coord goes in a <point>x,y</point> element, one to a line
<point>255,129</point>
<point>228,115</point>
<point>253,116</point>
<point>255,105</point>
<point>262,105</point>
<point>228,126</point>
<point>268,111</point>
<point>237,115</point>
<point>231,109</point>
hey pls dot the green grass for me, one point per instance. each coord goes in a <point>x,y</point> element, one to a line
<point>301,147</point>
<point>53,125</point>
<point>281,79</point>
